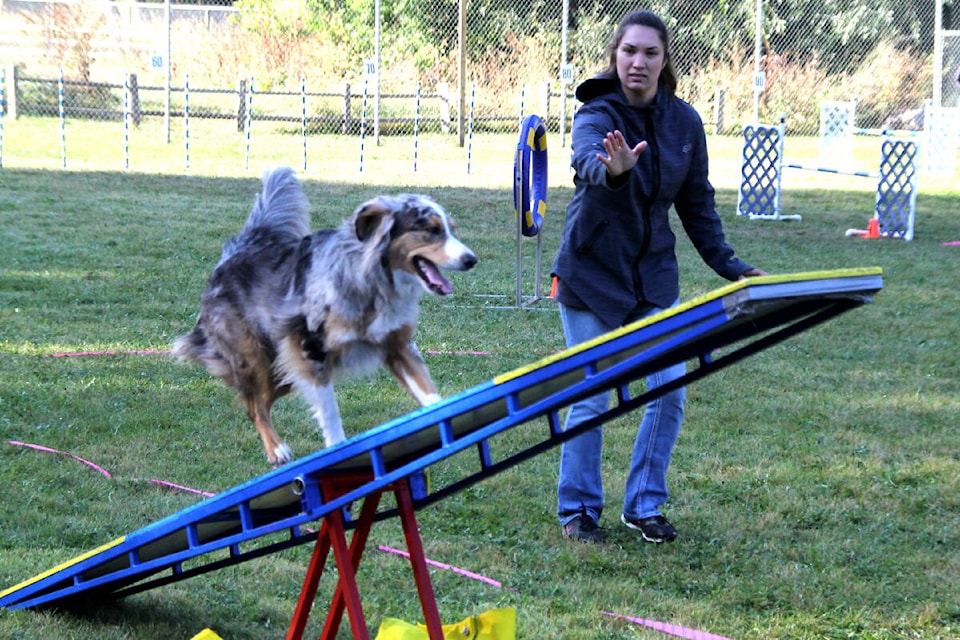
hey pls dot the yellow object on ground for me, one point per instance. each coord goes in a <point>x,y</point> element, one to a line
<point>496,624</point>
<point>206,634</point>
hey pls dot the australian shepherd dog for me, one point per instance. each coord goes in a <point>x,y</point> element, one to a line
<point>286,309</point>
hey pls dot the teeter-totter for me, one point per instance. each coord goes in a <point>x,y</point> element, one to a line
<point>269,513</point>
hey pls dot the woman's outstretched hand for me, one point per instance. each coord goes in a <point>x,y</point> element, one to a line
<point>620,156</point>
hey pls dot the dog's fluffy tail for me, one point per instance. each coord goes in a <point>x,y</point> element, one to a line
<point>280,212</point>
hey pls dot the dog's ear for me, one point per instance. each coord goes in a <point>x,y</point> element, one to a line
<point>371,219</point>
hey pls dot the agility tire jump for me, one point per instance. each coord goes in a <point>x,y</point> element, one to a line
<point>269,512</point>
<point>530,175</point>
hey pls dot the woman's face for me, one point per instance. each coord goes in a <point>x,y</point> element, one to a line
<point>640,58</point>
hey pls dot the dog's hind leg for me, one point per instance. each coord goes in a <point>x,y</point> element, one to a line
<point>323,401</point>
<point>277,451</point>
<point>407,365</point>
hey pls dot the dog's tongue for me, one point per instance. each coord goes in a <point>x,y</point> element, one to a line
<point>435,280</point>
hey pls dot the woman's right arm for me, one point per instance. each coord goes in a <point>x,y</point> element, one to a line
<point>601,155</point>
<point>590,129</point>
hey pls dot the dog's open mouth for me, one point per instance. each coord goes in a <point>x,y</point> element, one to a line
<point>432,277</point>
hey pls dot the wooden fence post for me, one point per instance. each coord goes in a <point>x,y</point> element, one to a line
<point>242,105</point>
<point>347,116</point>
<point>718,98</point>
<point>134,88</point>
<point>10,90</point>
<point>545,104</point>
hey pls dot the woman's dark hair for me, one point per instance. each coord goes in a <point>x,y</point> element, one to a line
<point>644,19</point>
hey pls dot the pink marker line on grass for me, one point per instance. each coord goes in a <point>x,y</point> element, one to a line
<point>154,352</point>
<point>447,567</point>
<point>101,470</point>
<point>180,487</point>
<point>433,352</point>
<point>137,352</point>
<point>62,453</point>
<point>667,628</point>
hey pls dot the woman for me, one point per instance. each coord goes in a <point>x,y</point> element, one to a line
<point>637,150</point>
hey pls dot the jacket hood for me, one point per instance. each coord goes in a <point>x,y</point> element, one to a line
<point>596,87</point>
<point>607,87</point>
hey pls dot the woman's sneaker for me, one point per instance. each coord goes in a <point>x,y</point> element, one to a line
<point>583,529</point>
<point>654,529</point>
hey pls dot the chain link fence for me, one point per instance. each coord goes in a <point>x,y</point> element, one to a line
<point>267,80</point>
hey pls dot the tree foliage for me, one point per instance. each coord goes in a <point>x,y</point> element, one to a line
<point>703,29</point>
<point>810,48</point>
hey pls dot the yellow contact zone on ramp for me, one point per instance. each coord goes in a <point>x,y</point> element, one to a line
<point>695,302</point>
<point>61,567</point>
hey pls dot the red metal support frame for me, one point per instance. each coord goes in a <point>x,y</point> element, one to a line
<point>346,593</point>
<point>309,590</point>
<point>332,536</point>
<point>418,559</point>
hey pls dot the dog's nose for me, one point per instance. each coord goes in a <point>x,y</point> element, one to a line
<point>468,261</point>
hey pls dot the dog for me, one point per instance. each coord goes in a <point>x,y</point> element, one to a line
<point>290,310</point>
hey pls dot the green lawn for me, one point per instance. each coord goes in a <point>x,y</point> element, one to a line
<point>815,485</point>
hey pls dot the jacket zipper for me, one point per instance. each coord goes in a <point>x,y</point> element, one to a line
<point>654,151</point>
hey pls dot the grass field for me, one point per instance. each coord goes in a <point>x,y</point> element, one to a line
<point>816,486</point>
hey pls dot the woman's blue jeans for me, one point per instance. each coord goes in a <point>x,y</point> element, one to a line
<point>580,488</point>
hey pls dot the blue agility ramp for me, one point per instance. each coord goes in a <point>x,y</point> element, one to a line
<point>269,513</point>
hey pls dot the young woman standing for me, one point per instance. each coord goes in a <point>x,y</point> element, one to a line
<point>637,150</point>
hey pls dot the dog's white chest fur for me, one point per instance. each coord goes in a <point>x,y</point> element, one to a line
<point>359,345</point>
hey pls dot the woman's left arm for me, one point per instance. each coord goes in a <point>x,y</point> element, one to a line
<point>696,206</point>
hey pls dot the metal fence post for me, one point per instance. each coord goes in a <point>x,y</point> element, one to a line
<point>443,93</point>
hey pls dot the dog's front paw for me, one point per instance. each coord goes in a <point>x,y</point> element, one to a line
<point>433,398</point>
<point>280,455</point>
<point>330,440</point>
<point>333,434</point>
